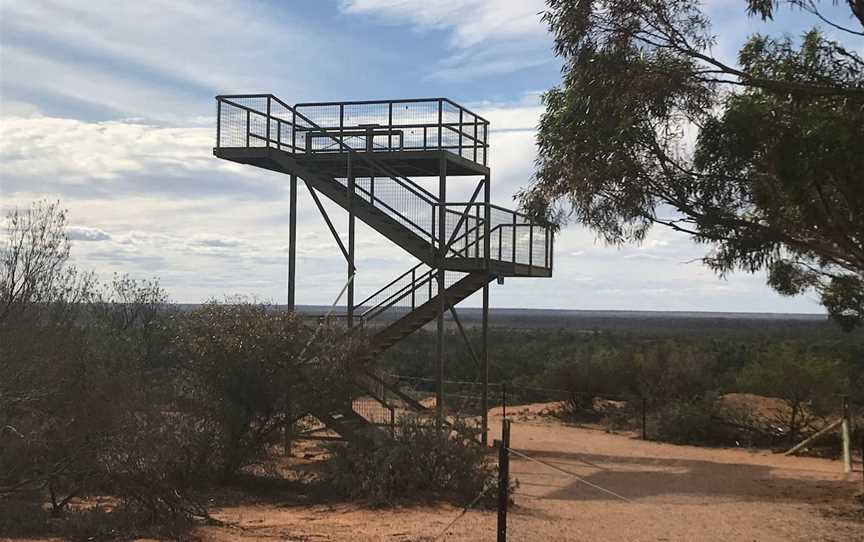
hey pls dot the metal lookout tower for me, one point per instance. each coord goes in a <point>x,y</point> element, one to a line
<point>363,155</point>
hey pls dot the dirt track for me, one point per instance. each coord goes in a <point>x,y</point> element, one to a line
<point>679,493</point>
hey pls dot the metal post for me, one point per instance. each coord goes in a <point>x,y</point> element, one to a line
<point>460,132</point>
<point>475,138</point>
<point>546,247</point>
<point>503,479</point>
<point>218,123</point>
<point>268,121</point>
<point>862,460</point>
<point>341,126</point>
<point>485,144</point>
<point>247,127</point>
<point>293,131</point>
<point>484,407</point>
<point>350,243</point>
<point>292,274</point>
<point>442,302</point>
<point>644,425</point>
<point>440,120</point>
<point>286,431</point>
<point>485,368</point>
<point>844,433</point>
<point>514,238</point>
<point>390,126</point>
<point>292,241</point>
<point>503,400</point>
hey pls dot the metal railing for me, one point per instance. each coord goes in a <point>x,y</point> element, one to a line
<point>398,125</point>
<point>263,120</point>
<point>404,294</point>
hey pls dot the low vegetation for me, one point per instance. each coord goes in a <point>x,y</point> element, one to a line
<point>119,414</point>
<point>416,464</point>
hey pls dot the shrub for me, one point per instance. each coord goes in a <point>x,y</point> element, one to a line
<point>418,463</point>
<point>693,422</point>
<point>246,368</point>
<point>805,380</point>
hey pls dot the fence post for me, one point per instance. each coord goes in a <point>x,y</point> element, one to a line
<point>644,425</point>
<point>503,479</point>
<point>286,432</point>
<point>504,400</point>
<point>862,460</point>
<point>844,433</point>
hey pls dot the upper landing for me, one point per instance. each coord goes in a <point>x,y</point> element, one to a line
<point>409,136</point>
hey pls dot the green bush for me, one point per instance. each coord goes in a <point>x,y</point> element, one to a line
<point>693,422</point>
<point>418,463</point>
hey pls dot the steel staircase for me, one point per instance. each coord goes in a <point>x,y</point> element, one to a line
<point>480,241</point>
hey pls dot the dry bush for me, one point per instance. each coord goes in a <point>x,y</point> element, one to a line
<point>418,463</point>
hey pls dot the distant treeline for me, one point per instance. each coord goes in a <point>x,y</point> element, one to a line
<point>678,373</point>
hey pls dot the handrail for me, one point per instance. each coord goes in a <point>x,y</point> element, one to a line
<point>398,100</point>
<point>398,296</point>
<point>467,143</point>
<point>389,284</point>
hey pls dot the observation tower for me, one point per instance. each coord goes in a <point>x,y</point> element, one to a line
<point>367,157</point>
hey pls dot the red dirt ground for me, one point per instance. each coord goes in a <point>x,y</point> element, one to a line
<point>678,493</point>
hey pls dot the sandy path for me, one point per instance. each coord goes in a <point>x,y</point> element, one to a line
<point>679,493</point>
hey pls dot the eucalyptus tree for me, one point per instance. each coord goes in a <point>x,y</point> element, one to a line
<point>759,158</point>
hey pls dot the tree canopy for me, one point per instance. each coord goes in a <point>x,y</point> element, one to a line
<point>760,159</point>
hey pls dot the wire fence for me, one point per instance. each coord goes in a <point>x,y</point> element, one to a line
<point>465,399</point>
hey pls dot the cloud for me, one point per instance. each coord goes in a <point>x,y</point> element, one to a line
<point>161,60</point>
<point>470,21</point>
<point>214,241</point>
<point>488,37</point>
<point>83,233</point>
<point>116,158</point>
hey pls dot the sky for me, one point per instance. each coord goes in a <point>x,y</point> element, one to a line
<point>109,107</point>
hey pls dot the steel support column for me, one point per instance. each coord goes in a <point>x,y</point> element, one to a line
<point>292,275</point>
<point>485,334</point>
<point>292,241</point>
<point>351,267</point>
<point>442,243</point>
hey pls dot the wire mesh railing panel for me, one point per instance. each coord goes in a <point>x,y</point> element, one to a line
<point>400,125</point>
<point>372,410</point>
<point>411,208</point>
<point>464,230</point>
